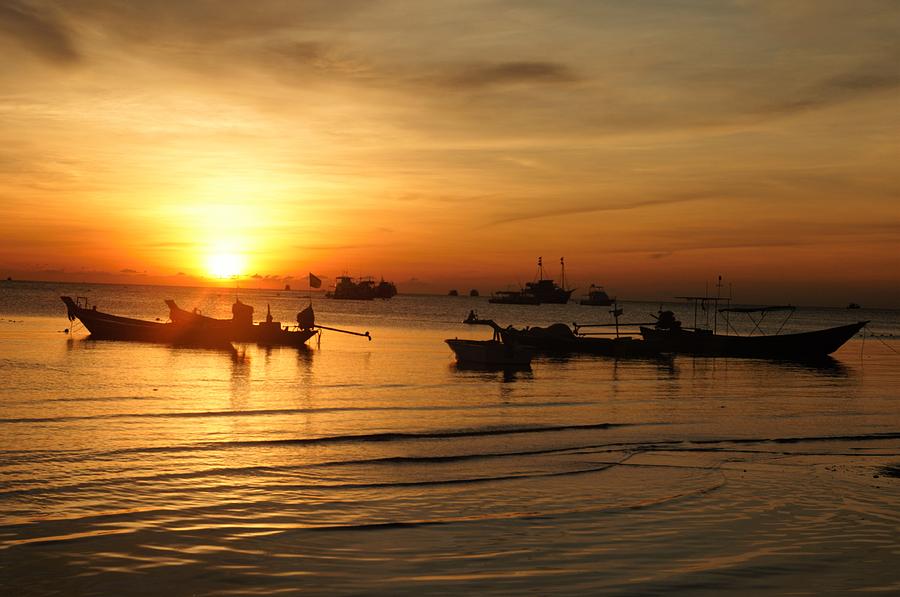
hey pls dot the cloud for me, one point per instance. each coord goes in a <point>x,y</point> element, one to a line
<point>39,30</point>
<point>596,209</point>
<point>505,73</point>
<point>867,79</point>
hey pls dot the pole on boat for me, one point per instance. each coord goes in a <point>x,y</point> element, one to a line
<point>363,334</point>
<point>615,313</point>
<point>562,267</point>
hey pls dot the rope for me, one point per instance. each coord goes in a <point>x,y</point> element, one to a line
<point>885,343</point>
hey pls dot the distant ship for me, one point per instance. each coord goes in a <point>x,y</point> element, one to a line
<point>597,297</point>
<point>385,290</point>
<point>363,289</point>
<point>535,293</point>
<point>473,292</point>
<point>453,292</point>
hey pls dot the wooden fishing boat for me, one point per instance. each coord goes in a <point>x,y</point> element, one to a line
<point>500,351</point>
<point>104,326</point>
<point>241,328</point>
<point>669,336</point>
<point>490,352</point>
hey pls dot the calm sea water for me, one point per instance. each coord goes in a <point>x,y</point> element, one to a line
<point>381,467</point>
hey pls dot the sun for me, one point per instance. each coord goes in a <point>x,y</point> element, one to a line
<point>225,265</point>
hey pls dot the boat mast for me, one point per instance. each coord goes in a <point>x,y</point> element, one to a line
<point>540,268</point>
<point>716,309</point>
<point>562,265</point>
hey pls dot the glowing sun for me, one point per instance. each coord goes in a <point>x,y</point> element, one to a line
<point>225,265</point>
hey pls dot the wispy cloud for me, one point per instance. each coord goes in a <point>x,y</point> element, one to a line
<point>40,29</point>
<point>590,209</point>
<point>505,73</point>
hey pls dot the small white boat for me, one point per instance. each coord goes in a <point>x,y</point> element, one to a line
<point>490,352</point>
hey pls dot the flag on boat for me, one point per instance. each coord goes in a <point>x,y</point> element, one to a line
<point>314,281</point>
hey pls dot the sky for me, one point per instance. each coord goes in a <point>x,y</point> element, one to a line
<point>654,144</point>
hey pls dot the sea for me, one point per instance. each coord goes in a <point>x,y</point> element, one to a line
<point>357,467</point>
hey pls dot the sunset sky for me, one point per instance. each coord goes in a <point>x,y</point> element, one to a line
<point>654,144</point>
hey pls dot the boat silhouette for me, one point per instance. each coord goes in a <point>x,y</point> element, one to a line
<point>597,297</point>
<point>362,289</point>
<point>105,326</point>
<point>240,328</point>
<point>543,290</point>
<point>668,334</point>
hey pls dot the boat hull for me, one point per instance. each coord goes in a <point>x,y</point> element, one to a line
<point>103,326</point>
<point>490,352</point>
<point>802,346</point>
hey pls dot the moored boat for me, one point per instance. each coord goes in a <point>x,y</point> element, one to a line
<point>669,336</point>
<point>348,289</point>
<point>489,352</point>
<point>104,326</point>
<point>597,297</point>
<point>500,351</point>
<point>385,289</point>
<point>240,328</point>
<point>361,289</point>
<point>559,338</point>
<point>543,290</point>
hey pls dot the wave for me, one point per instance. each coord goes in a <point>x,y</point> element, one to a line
<point>800,439</point>
<point>390,436</point>
<point>264,412</point>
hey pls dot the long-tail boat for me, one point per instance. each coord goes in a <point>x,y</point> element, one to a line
<point>669,336</point>
<point>240,328</point>
<point>104,326</point>
<point>499,351</point>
